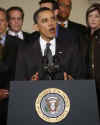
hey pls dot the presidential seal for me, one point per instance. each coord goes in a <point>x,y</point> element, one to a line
<point>52,105</point>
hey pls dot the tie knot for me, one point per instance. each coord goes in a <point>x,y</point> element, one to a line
<point>16,35</point>
<point>62,24</point>
<point>48,45</point>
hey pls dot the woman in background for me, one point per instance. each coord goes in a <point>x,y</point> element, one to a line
<point>93,23</point>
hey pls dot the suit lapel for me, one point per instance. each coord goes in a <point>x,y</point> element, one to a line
<point>5,50</point>
<point>59,47</point>
<point>25,36</point>
<point>35,52</point>
<point>37,48</point>
<point>69,24</point>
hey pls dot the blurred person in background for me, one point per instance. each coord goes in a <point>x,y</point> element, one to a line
<point>15,17</point>
<point>65,7</point>
<point>93,41</point>
<point>8,51</point>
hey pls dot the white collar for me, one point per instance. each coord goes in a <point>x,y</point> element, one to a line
<point>2,41</point>
<point>18,34</point>
<point>65,23</point>
<point>52,46</point>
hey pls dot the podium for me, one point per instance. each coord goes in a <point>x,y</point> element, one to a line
<point>57,102</point>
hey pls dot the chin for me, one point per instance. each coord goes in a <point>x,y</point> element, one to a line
<point>50,38</point>
<point>93,27</point>
<point>53,36</point>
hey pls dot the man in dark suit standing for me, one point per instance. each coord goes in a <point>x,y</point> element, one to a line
<point>3,68</point>
<point>65,7</point>
<point>15,17</point>
<point>78,30</point>
<point>34,63</point>
<point>8,51</point>
<point>7,72</point>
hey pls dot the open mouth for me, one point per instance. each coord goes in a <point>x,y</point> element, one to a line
<point>52,30</point>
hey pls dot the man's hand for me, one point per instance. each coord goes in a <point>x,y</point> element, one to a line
<point>35,76</point>
<point>3,94</point>
<point>35,28</point>
<point>67,77</point>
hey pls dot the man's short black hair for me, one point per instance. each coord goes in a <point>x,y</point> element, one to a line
<point>54,3</point>
<point>45,1</point>
<point>15,8</point>
<point>35,16</point>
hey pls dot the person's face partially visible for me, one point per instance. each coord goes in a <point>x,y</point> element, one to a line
<point>3,23</point>
<point>15,22</point>
<point>94,20</point>
<point>48,5</point>
<point>47,25</point>
<point>64,9</point>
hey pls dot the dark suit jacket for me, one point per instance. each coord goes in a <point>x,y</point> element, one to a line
<point>66,34</point>
<point>29,59</point>
<point>7,72</point>
<point>77,27</point>
<point>75,30</point>
<point>26,36</point>
<point>94,43</point>
<point>7,65</point>
<point>78,31</point>
<point>63,34</point>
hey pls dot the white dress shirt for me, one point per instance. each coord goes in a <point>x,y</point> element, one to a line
<point>18,34</point>
<point>65,23</point>
<point>52,45</point>
<point>2,41</point>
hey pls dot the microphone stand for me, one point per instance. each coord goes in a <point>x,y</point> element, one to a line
<point>52,71</point>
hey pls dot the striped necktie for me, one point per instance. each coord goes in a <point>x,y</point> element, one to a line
<point>48,54</point>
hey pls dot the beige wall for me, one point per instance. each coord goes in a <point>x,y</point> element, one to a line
<point>29,6</point>
<point>79,8</point>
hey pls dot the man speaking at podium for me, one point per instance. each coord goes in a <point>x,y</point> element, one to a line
<point>48,58</point>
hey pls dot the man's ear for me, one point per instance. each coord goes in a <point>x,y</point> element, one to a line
<point>35,27</point>
<point>7,24</point>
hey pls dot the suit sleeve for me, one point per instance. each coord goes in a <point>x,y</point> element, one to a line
<point>20,73</point>
<point>78,65</point>
<point>74,64</point>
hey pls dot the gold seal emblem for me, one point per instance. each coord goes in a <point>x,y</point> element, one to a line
<point>52,105</point>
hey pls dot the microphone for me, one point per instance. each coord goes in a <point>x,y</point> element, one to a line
<point>58,65</point>
<point>47,70</point>
<point>43,68</point>
<point>53,71</point>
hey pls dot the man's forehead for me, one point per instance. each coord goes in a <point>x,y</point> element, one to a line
<point>45,13</point>
<point>15,12</point>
